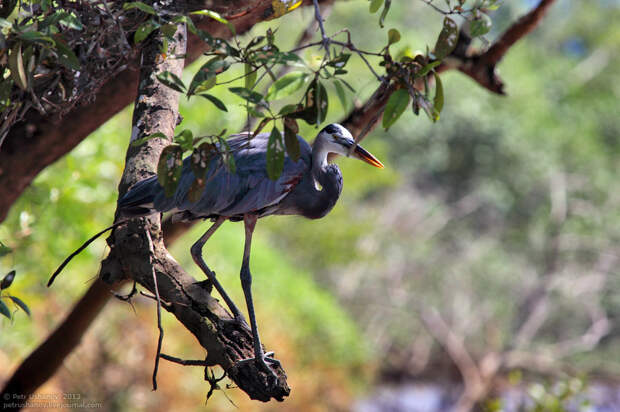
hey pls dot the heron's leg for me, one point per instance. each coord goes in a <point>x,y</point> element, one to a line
<point>196,251</point>
<point>246,283</point>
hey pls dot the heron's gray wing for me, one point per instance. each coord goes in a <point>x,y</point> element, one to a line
<point>247,190</point>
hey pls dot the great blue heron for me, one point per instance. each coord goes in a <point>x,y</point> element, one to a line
<point>309,187</point>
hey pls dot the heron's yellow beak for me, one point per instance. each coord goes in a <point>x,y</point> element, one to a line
<point>360,153</point>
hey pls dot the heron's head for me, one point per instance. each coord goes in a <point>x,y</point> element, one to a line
<point>335,138</point>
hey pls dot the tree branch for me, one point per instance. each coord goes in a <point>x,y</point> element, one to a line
<point>518,30</point>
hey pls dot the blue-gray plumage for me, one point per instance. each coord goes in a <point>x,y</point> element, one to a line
<point>309,187</point>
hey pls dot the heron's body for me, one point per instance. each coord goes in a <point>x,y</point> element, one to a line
<point>308,187</point>
<point>247,190</point>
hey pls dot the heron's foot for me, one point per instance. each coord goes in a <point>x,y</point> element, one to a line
<point>263,362</point>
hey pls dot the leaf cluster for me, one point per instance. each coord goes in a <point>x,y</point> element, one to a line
<point>55,54</point>
<point>5,283</point>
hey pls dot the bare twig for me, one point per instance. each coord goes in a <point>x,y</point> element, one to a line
<point>160,339</point>
<point>184,362</point>
<point>319,19</point>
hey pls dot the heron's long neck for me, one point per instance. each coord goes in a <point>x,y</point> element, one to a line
<point>329,180</point>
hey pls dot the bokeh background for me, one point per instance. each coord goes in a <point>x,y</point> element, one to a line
<point>494,231</point>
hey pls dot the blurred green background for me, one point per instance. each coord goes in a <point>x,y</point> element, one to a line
<point>503,197</point>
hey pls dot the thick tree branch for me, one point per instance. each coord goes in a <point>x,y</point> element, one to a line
<point>518,30</point>
<point>482,66</point>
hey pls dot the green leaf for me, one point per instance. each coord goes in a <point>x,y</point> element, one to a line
<point>143,140</point>
<point>254,111</point>
<point>250,76</point>
<point>36,36</point>
<point>168,30</point>
<point>427,68</point>
<point>7,280</point>
<point>217,17</point>
<point>199,163</point>
<point>316,106</point>
<point>204,36</point>
<point>66,19</point>
<point>275,154</point>
<point>395,106</point>
<point>375,5</point>
<point>143,31</point>
<point>341,95</point>
<point>393,36</point>
<point>438,100</point>
<point>480,25</point>
<point>16,65</point>
<point>448,37</point>
<point>185,139</point>
<point>4,249</point>
<point>255,42</point>
<point>247,94</point>
<point>204,79</point>
<point>384,13</point>
<point>4,309</point>
<point>21,304</point>
<point>70,21</point>
<point>286,85</point>
<point>217,102</point>
<point>201,157</point>
<point>171,80</point>
<point>290,108</point>
<point>169,168</point>
<point>66,56</point>
<point>339,61</point>
<point>204,86</point>
<point>291,141</point>
<point>139,5</point>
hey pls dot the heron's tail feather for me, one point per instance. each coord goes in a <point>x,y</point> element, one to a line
<point>140,198</point>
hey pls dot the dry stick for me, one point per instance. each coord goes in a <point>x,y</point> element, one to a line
<point>319,20</point>
<point>160,339</point>
<point>79,250</point>
<point>184,362</point>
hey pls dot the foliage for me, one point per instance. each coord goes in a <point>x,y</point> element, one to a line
<point>54,55</point>
<point>5,283</point>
